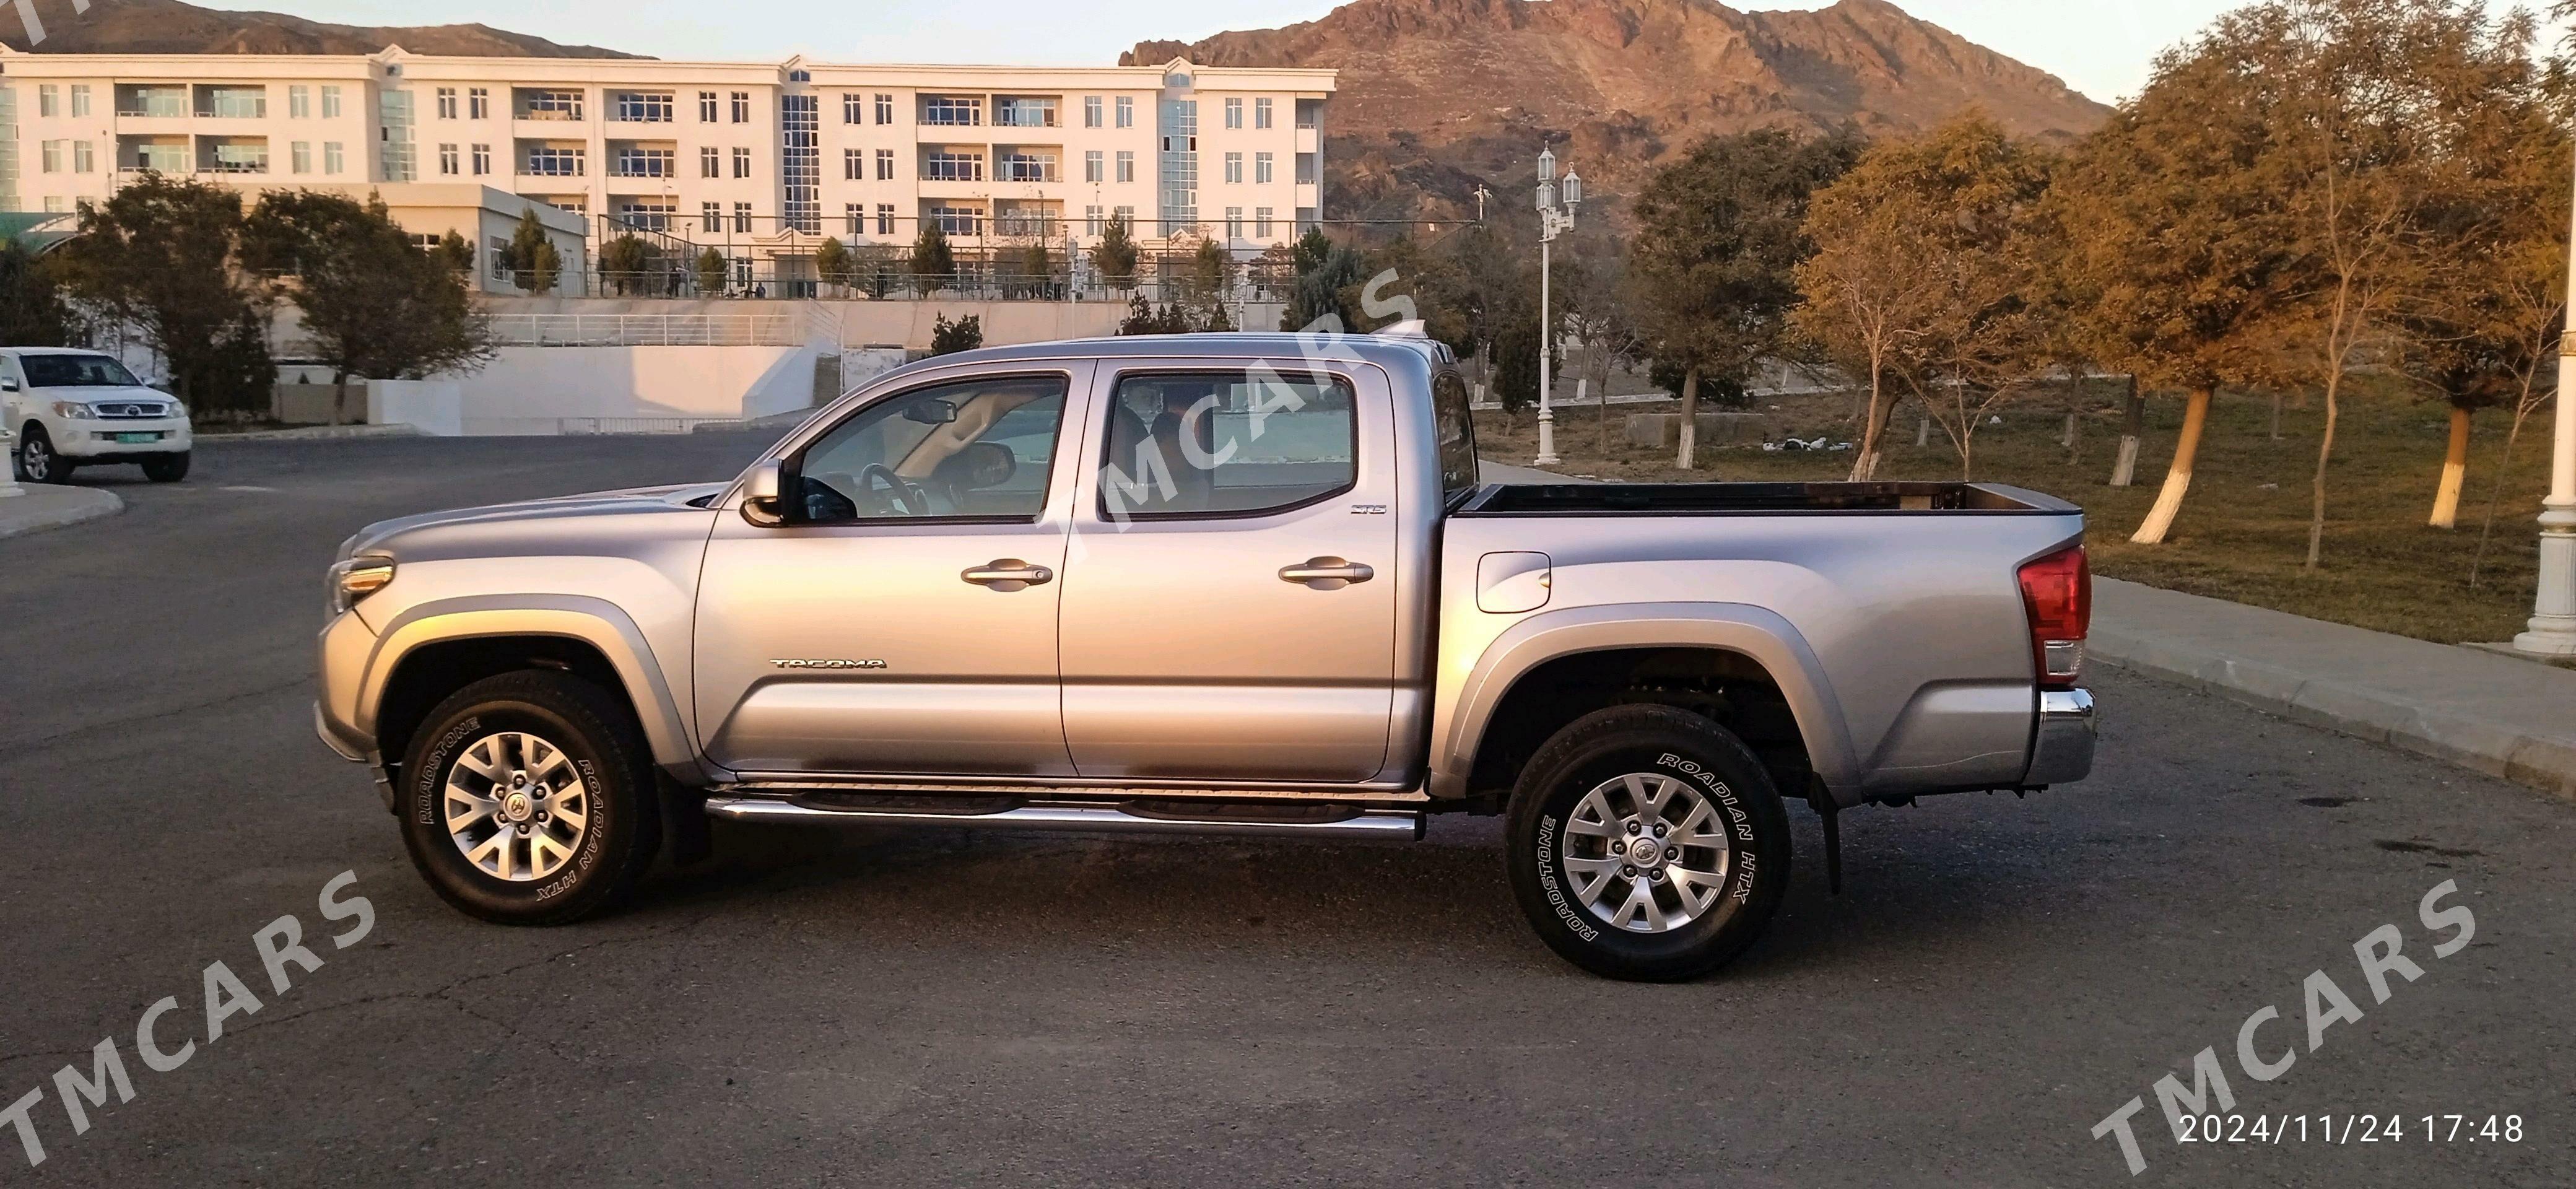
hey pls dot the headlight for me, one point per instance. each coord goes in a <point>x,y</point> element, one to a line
<point>177,409</point>
<point>355,579</point>
<point>74,410</point>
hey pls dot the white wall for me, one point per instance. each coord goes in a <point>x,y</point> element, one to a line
<point>630,389</point>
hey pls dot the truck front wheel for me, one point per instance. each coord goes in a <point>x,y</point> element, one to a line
<point>1647,843</point>
<point>528,799</point>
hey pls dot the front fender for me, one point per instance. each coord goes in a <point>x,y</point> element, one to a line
<point>1754,632</point>
<point>596,622</point>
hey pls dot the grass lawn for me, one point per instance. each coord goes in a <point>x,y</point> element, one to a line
<point>2242,534</point>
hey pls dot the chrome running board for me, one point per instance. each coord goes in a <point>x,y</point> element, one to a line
<point>1126,817</point>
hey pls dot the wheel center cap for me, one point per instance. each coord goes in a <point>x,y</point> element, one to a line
<point>517,807</point>
<point>1644,851</point>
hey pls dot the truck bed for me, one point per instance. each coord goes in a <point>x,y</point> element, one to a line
<point>1686,499</point>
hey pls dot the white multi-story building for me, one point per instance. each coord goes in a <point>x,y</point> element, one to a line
<point>761,160</point>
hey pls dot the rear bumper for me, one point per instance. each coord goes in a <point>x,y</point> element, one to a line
<point>2062,749</point>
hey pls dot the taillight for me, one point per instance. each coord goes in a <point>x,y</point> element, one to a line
<point>2057,590</point>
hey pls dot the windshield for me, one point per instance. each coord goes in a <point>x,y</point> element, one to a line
<point>76,371</point>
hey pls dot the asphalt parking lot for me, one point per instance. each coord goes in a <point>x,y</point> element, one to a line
<point>939,1007</point>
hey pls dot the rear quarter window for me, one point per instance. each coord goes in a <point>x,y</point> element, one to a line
<point>1457,430</point>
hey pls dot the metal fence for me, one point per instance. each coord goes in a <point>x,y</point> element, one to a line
<point>649,330</point>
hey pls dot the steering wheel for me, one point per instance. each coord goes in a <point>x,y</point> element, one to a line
<point>899,496</point>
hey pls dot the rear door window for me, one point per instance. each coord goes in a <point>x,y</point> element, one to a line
<point>1226,443</point>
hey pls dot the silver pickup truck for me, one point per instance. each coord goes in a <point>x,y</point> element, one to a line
<point>1237,583</point>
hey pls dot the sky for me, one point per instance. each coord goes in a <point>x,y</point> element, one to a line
<point>2100,47</point>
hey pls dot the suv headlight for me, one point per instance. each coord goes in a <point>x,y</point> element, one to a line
<point>74,410</point>
<point>355,579</point>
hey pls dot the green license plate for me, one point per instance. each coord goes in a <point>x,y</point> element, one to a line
<point>138,437</point>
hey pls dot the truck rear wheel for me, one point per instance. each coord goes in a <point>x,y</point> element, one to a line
<point>1647,843</point>
<point>528,799</point>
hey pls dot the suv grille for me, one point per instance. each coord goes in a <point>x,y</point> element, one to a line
<point>115,410</point>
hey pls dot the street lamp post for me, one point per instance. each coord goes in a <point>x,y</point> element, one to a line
<point>1553,219</point>
<point>2553,614</point>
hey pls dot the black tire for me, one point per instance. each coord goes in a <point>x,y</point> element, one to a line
<point>597,735</point>
<point>166,468</point>
<point>1713,766</point>
<point>37,460</point>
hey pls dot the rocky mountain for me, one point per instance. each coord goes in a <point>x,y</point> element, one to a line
<point>170,27</point>
<point>1438,96</point>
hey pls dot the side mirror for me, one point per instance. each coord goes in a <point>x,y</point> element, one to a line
<point>762,503</point>
<point>8,386</point>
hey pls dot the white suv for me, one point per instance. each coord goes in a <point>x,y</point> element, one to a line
<point>70,408</point>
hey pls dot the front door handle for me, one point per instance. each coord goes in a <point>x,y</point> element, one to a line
<point>1326,573</point>
<point>1008,574</point>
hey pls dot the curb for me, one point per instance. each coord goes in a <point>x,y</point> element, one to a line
<point>310,433</point>
<point>2534,761</point>
<point>62,506</point>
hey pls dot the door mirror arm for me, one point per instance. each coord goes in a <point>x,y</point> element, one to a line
<point>763,499</point>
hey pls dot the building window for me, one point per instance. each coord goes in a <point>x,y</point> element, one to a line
<point>854,218</point>
<point>1234,168</point>
<point>644,107</point>
<point>1305,169</point>
<point>1261,115</point>
<point>49,99</point>
<point>955,220</point>
<point>1309,112</point>
<point>636,162</point>
<point>447,103</point>
<point>710,162</point>
<point>885,109</point>
<point>240,103</point>
<point>1261,222</point>
<point>1261,168</point>
<point>953,110</point>
<point>56,204</point>
<point>800,76</point>
<point>332,161</point>
<point>83,163</point>
<point>800,162</point>
<point>330,103</point>
<point>552,104</point>
<point>853,109</point>
<point>1091,220</point>
<point>447,160</point>
<point>1126,165</point>
<point>1126,111</point>
<point>52,152</point>
<point>953,165</point>
<point>1234,113</point>
<point>1025,165</point>
<point>499,254</point>
<point>1179,172</point>
<point>553,161</point>
<point>1126,214</point>
<point>742,107</point>
<point>393,120</point>
<point>1091,111</point>
<point>1024,111</point>
<point>80,99</point>
<point>854,165</point>
<point>482,160</point>
<point>711,217</point>
<point>885,218</point>
<point>1234,222</point>
<point>645,216</point>
<point>741,162</point>
<point>706,107</point>
<point>1092,169</point>
<point>299,103</point>
<point>742,218</point>
<point>478,102</point>
<point>885,165</point>
<point>299,156</point>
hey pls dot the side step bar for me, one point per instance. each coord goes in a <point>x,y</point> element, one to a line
<point>1130,817</point>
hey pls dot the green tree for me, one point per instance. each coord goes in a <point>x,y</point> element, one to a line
<point>534,262</point>
<point>372,304</point>
<point>32,310</point>
<point>456,252</point>
<point>833,262</point>
<point>159,255</point>
<point>1312,250</point>
<point>1114,257</point>
<point>1035,269</point>
<point>624,261</point>
<point>934,263</point>
<point>1326,292</point>
<point>1719,235</point>
<point>709,270</point>
<point>964,334</point>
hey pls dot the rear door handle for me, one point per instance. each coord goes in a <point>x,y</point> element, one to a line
<point>1008,574</point>
<point>1326,573</point>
